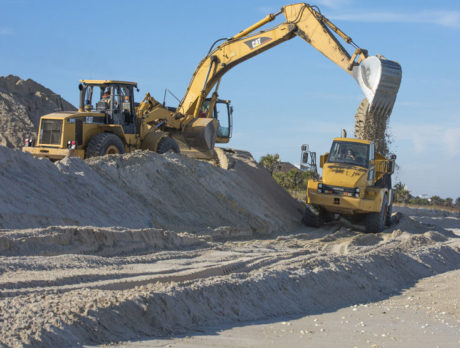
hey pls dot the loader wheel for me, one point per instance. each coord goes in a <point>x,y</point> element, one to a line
<point>167,144</point>
<point>104,144</point>
<point>375,222</point>
<point>312,216</point>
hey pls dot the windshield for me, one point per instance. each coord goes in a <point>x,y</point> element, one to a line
<point>350,153</point>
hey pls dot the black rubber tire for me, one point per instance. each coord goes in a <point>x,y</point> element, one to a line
<point>388,218</point>
<point>312,216</point>
<point>385,182</point>
<point>104,144</point>
<point>375,222</point>
<point>167,144</point>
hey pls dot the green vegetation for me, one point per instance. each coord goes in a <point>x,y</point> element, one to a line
<point>402,195</point>
<point>294,180</point>
<point>271,162</point>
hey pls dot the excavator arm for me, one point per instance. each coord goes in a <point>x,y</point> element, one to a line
<point>379,79</point>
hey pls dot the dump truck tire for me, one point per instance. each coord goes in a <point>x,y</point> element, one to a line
<point>104,144</point>
<point>167,144</point>
<point>375,222</point>
<point>388,217</point>
<point>312,217</point>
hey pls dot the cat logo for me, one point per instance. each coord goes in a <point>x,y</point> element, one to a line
<point>254,43</point>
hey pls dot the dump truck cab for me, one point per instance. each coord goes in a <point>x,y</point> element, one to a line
<point>356,183</point>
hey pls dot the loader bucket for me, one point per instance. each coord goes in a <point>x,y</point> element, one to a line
<point>379,78</point>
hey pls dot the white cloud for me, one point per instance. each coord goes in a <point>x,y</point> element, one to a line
<point>449,19</point>
<point>429,137</point>
<point>451,141</point>
<point>5,31</point>
<point>333,3</point>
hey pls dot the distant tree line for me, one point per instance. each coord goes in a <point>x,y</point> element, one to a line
<point>402,195</point>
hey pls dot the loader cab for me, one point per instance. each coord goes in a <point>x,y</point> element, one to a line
<point>222,112</point>
<point>114,99</point>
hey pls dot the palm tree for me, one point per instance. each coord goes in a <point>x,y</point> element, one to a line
<point>271,162</point>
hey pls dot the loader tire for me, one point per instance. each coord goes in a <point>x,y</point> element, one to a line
<point>167,144</point>
<point>375,222</point>
<point>312,216</point>
<point>104,144</point>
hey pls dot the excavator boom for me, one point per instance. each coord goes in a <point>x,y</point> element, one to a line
<point>378,77</point>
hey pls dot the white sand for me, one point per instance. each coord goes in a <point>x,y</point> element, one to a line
<point>426,315</point>
<point>144,245</point>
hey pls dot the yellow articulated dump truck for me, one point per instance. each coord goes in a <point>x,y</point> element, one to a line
<point>355,183</point>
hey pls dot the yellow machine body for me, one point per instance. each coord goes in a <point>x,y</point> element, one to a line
<point>356,185</point>
<point>194,124</point>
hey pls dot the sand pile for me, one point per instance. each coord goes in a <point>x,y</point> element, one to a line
<point>22,103</point>
<point>122,291</point>
<point>137,245</point>
<point>142,189</point>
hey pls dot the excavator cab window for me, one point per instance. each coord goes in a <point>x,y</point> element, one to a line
<point>223,113</point>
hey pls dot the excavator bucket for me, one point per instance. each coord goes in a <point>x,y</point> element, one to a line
<point>379,78</point>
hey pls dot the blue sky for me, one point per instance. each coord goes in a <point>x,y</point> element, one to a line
<point>282,98</point>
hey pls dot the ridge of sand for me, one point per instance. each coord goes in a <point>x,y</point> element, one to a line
<point>139,190</point>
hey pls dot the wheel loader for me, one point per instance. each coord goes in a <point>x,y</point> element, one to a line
<point>109,122</point>
<point>355,183</point>
<point>200,121</point>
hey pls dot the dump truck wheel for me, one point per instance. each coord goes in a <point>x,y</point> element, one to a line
<point>104,144</point>
<point>167,144</point>
<point>388,217</point>
<point>312,216</point>
<point>375,222</point>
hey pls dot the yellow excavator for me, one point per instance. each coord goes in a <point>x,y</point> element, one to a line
<point>115,124</point>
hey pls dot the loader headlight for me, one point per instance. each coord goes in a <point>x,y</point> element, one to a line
<point>357,192</point>
<point>320,188</point>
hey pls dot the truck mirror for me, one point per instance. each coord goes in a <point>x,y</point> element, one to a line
<point>323,159</point>
<point>305,157</point>
<point>390,167</point>
<point>393,156</point>
<point>80,86</point>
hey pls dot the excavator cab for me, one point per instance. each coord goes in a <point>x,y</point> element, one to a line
<point>114,99</point>
<point>223,113</point>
